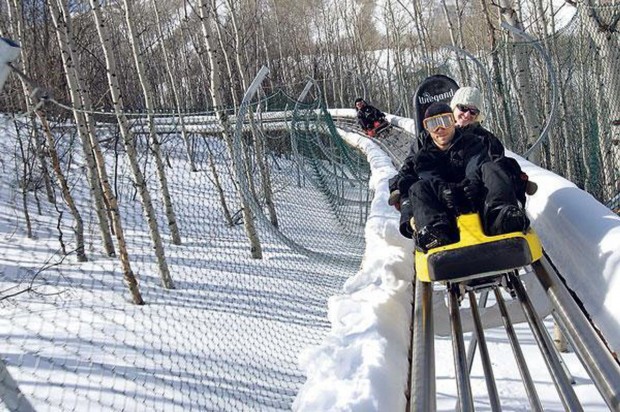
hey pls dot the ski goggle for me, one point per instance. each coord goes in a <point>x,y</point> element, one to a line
<point>433,123</point>
<point>472,110</point>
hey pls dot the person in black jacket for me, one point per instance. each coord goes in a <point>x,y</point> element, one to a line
<point>369,117</point>
<point>454,173</point>
<point>466,106</point>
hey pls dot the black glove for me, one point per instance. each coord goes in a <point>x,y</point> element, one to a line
<point>448,195</point>
<point>472,189</point>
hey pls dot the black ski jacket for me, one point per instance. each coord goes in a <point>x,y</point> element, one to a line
<point>367,115</point>
<point>462,160</point>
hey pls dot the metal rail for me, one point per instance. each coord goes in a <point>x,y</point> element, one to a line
<point>591,350</point>
<point>422,387</point>
<point>530,388</point>
<point>567,394</point>
<point>589,347</point>
<point>484,355</point>
<point>463,385</point>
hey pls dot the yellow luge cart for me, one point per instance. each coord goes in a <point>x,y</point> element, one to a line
<point>477,255</point>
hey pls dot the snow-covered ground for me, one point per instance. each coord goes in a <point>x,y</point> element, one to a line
<point>232,340</point>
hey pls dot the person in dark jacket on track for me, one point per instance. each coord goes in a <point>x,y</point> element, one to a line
<point>454,173</point>
<point>369,117</point>
<point>466,106</point>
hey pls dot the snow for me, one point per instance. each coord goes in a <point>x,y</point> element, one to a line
<point>359,364</point>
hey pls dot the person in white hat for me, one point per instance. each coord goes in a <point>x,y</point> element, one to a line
<point>466,106</point>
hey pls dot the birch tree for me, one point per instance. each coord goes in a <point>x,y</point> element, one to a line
<point>216,90</point>
<point>63,35</point>
<point>15,18</point>
<point>78,227</point>
<point>259,145</point>
<point>26,177</point>
<point>528,96</point>
<point>456,39</point>
<point>396,29</point>
<point>504,121</point>
<point>217,180</point>
<point>128,142</point>
<point>155,146</point>
<point>565,140</point>
<point>173,86</point>
<point>86,129</point>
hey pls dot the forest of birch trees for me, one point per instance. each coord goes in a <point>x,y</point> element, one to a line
<point>85,57</point>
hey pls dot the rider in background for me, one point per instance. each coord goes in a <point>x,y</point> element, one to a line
<point>466,104</point>
<point>369,117</point>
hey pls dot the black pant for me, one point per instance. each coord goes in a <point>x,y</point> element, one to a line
<point>426,204</point>
<point>512,168</point>
<point>428,208</point>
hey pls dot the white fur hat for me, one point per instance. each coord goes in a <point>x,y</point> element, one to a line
<point>468,96</point>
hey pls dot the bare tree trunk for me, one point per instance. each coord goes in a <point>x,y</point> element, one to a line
<point>212,166</point>
<point>524,81</point>
<point>64,36</point>
<point>15,16</point>
<point>399,65</point>
<point>82,100</point>
<point>460,10</point>
<point>263,167</point>
<point>218,186</point>
<point>248,221</point>
<point>147,204</point>
<point>258,143</point>
<point>506,125</point>
<point>604,132</point>
<point>78,227</point>
<point>186,40</point>
<point>567,136</point>
<point>238,44</point>
<point>424,35</point>
<point>148,100</point>
<point>261,157</point>
<point>279,38</point>
<point>453,38</point>
<point>225,55</point>
<point>24,181</point>
<point>175,91</point>
<point>584,67</point>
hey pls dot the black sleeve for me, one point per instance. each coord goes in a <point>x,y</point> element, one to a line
<point>362,120</point>
<point>405,177</point>
<point>494,145</point>
<point>426,166</point>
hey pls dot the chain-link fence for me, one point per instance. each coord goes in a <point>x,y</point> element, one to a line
<point>227,336</point>
<point>564,88</point>
<point>580,99</point>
